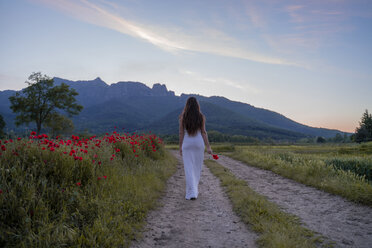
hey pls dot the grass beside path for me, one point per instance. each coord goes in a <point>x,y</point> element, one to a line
<point>277,228</point>
<point>310,170</point>
<point>79,192</point>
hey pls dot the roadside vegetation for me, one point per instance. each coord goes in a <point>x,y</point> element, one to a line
<point>79,192</point>
<point>342,170</point>
<point>276,228</point>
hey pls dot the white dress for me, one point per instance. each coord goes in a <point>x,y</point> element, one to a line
<point>193,156</point>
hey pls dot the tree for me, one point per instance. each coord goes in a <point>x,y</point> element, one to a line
<point>364,131</point>
<point>40,101</point>
<point>2,125</point>
<point>320,139</point>
<point>338,138</point>
<point>59,124</point>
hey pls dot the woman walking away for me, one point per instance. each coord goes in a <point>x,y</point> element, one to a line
<point>193,137</point>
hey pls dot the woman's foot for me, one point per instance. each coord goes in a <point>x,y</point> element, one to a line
<point>193,198</point>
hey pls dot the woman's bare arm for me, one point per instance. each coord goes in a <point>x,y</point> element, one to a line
<point>181,135</point>
<point>205,138</point>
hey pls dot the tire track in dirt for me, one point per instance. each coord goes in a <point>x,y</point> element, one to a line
<point>208,221</point>
<point>345,223</point>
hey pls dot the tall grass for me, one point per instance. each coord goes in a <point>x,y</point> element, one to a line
<point>361,166</point>
<point>310,170</point>
<point>79,192</point>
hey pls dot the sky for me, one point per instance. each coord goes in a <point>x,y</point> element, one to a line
<point>308,60</point>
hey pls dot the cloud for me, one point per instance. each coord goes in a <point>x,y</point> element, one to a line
<point>173,39</point>
<point>254,15</point>
<point>293,12</point>
<point>221,81</point>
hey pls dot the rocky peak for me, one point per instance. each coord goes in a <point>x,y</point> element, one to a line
<point>161,90</point>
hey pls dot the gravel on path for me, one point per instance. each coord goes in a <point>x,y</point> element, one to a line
<point>345,223</point>
<point>209,221</point>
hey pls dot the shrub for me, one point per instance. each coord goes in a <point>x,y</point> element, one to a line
<point>78,192</point>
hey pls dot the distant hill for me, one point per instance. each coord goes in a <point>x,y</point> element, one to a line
<point>137,107</point>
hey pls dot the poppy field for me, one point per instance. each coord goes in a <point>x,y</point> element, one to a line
<point>79,191</point>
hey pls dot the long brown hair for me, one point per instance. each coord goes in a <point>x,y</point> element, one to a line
<point>191,117</point>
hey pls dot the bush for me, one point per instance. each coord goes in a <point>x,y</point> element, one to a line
<point>79,192</point>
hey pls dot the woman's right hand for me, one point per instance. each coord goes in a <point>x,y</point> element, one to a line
<point>209,150</point>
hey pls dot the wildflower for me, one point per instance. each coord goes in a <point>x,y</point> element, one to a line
<point>1,191</point>
<point>105,177</point>
<point>19,138</point>
<point>33,133</point>
<point>78,183</point>
<point>99,162</point>
<point>52,149</point>
<point>99,178</point>
<point>3,148</point>
<point>215,156</point>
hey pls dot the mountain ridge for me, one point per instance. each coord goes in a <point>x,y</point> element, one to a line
<point>139,107</point>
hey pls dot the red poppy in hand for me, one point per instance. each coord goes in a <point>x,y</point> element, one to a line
<point>215,156</point>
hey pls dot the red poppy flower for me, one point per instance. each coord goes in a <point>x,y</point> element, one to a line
<point>3,148</point>
<point>215,156</point>
<point>99,178</point>
<point>105,177</point>
<point>33,133</point>
<point>78,183</point>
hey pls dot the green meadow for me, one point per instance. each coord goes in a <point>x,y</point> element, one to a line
<point>341,169</point>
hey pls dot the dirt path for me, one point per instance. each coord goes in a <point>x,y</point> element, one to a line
<point>206,222</point>
<point>346,223</point>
